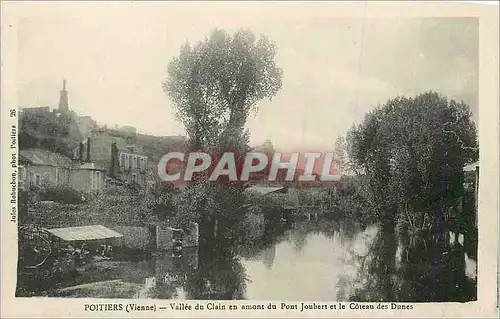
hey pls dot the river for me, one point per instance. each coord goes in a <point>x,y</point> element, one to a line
<point>301,263</point>
<point>314,261</point>
<point>308,266</point>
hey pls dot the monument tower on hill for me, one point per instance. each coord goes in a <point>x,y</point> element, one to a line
<point>63,99</point>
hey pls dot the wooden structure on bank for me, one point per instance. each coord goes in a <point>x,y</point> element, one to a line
<point>93,238</point>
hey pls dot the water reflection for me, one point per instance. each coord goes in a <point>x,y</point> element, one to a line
<point>268,256</point>
<point>300,262</point>
<point>308,265</point>
<point>306,261</point>
<point>221,276</point>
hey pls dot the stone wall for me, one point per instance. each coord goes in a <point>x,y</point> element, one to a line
<point>133,237</point>
<point>140,237</point>
<point>165,236</point>
<point>191,237</point>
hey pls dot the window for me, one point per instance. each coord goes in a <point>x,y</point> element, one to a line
<point>22,173</point>
<point>134,178</point>
<point>136,162</point>
<point>122,160</point>
<point>38,179</point>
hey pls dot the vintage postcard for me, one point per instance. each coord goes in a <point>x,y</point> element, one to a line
<point>249,159</point>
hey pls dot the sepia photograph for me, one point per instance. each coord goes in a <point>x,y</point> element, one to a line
<point>173,151</point>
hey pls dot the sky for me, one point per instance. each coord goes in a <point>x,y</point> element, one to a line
<point>114,58</point>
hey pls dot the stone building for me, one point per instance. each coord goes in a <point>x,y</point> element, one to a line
<point>40,166</point>
<point>129,164</point>
<point>121,161</point>
<point>36,110</point>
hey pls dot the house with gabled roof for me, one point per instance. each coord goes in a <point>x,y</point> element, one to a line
<point>38,166</point>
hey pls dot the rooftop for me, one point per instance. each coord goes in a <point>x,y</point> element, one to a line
<point>133,149</point>
<point>262,190</point>
<point>83,233</point>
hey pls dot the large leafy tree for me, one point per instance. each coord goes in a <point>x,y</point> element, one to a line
<point>214,85</point>
<point>412,152</point>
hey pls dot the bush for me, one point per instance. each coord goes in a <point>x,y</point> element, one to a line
<point>55,272</point>
<point>352,202</point>
<point>61,194</point>
<point>254,226</point>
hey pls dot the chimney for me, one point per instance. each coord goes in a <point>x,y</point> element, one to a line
<point>88,149</point>
<point>114,160</point>
<point>80,153</point>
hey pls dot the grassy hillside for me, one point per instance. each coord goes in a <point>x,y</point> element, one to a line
<point>58,134</point>
<point>157,146</point>
<point>61,135</point>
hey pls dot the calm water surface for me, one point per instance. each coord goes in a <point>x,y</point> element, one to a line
<point>301,264</point>
<point>310,268</point>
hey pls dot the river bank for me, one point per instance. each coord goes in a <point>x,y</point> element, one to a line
<point>316,260</point>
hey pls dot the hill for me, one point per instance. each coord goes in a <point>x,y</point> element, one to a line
<point>154,147</point>
<point>55,132</point>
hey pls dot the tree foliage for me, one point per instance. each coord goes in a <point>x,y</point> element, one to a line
<point>59,134</point>
<point>215,83</point>
<point>412,152</point>
<point>410,146</point>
